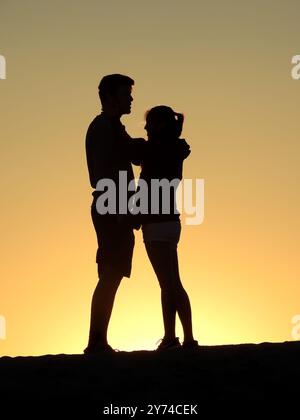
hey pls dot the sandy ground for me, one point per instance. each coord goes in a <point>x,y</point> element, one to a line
<point>117,384</point>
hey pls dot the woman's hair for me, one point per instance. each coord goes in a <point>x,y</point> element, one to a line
<point>164,114</point>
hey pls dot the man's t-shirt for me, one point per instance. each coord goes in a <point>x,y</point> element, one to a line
<point>106,144</point>
<point>109,150</point>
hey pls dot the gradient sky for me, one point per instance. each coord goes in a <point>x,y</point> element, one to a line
<point>227,66</point>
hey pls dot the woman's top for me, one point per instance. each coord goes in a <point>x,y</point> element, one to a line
<point>162,171</point>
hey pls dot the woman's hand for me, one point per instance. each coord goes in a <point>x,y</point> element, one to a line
<point>183,148</point>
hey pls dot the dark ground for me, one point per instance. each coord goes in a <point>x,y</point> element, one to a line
<point>212,376</point>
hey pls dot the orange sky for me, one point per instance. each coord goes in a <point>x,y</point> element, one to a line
<point>227,67</point>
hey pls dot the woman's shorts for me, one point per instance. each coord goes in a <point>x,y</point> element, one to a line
<point>162,232</point>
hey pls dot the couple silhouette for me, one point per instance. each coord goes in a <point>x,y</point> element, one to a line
<point>111,151</point>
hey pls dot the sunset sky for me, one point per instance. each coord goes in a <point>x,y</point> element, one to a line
<point>227,66</point>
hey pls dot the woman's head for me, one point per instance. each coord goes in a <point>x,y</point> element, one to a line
<point>162,122</point>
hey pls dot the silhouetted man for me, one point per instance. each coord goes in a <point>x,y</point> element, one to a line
<point>109,150</point>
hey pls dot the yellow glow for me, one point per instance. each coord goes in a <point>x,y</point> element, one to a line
<point>228,68</point>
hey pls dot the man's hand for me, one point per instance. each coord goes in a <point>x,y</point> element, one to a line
<point>137,150</point>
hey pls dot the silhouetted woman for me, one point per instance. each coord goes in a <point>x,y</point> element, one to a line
<point>161,232</point>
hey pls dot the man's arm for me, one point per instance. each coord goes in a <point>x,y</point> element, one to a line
<point>137,150</point>
<point>99,148</point>
<point>134,148</point>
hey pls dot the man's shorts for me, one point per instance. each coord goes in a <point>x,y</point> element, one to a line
<point>115,242</point>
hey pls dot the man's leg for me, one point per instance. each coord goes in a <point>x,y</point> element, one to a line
<point>102,305</point>
<point>114,256</point>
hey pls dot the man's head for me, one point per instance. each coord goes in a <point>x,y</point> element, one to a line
<point>115,94</point>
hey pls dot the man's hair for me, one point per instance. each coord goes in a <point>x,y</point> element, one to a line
<point>110,84</point>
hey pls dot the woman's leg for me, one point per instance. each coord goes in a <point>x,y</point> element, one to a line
<point>164,260</point>
<point>161,260</point>
<point>183,305</point>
